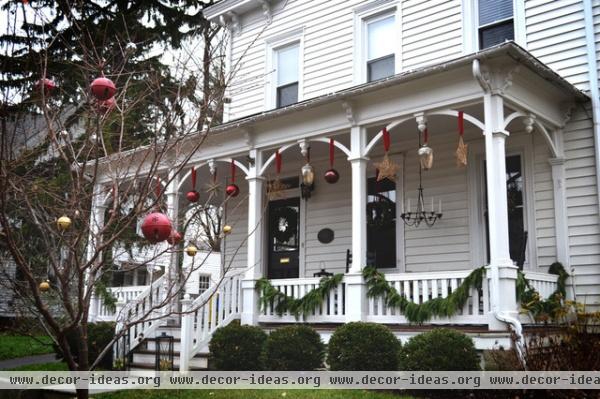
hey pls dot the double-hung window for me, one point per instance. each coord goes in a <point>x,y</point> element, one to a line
<point>380,47</point>
<point>287,73</point>
<point>496,22</point>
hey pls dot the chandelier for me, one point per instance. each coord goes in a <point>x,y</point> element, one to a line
<point>420,215</point>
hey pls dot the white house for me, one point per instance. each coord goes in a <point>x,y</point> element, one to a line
<point>347,75</point>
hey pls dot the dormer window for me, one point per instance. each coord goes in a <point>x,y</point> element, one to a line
<point>380,45</point>
<point>287,71</point>
<point>496,22</point>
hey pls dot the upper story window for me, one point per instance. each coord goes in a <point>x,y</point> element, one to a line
<point>496,22</point>
<point>287,68</point>
<point>380,43</point>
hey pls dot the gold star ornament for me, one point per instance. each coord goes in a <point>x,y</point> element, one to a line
<point>387,168</point>
<point>461,153</point>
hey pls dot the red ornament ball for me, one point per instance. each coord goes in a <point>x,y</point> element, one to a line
<point>107,105</point>
<point>47,85</point>
<point>175,237</point>
<point>332,176</point>
<point>103,88</point>
<point>193,196</point>
<point>232,190</point>
<point>156,227</point>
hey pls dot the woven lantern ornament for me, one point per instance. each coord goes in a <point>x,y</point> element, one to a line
<point>232,190</point>
<point>462,151</point>
<point>156,227</point>
<point>227,229</point>
<point>425,152</point>
<point>331,175</point>
<point>103,88</point>
<point>44,286</point>
<point>175,237</point>
<point>63,222</point>
<point>387,168</point>
<point>193,195</point>
<point>191,250</point>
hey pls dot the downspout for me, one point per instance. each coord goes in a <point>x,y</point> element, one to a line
<point>588,13</point>
<point>504,317</point>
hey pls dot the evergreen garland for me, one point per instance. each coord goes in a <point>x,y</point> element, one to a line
<point>378,286</point>
<point>304,306</point>
<point>531,301</point>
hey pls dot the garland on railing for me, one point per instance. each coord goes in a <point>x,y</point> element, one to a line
<point>378,286</point>
<point>531,301</point>
<point>304,306</point>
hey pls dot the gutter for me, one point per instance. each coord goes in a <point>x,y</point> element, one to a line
<point>588,13</point>
<point>501,315</point>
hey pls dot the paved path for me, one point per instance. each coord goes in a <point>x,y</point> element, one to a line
<point>24,361</point>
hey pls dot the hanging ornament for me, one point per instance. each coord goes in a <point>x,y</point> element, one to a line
<point>130,48</point>
<point>44,286</point>
<point>387,168</point>
<point>47,85</point>
<point>156,227</point>
<point>425,152</point>
<point>331,175</point>
<point>103,88</point>
<point>462,151</point>
<point>232,190</point>
<point>106,106</point>
<point>214,187</point>
<point>193,195</point>
<point>227,229</point>
<point>275,188</point>
<point>63,222</point>
<point>191,250</point>
<point>175,237</point>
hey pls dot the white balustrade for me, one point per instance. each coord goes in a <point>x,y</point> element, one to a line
<point>122,295</point>
<point>545,284</point>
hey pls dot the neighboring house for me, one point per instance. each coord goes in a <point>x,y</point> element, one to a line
<point>309,75</point>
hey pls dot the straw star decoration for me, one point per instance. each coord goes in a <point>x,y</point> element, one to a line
<point>275,189</point>
<point>387,168</point>
<point>461,153</point>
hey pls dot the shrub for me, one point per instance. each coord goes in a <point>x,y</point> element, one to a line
<point>294,348</point>
<point>441,349</point>
<point>99,335</point>
<point>236,347</point>
<point>363,346</point>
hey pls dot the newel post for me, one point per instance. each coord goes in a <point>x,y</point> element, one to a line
<point>502,273</point>
<point>187,324</point>
<point>355,287</point>
<point>255,215</point>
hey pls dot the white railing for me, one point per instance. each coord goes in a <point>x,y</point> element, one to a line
<point>217,307</point>
<point>331,310</point>
<point>423,287</point>
<point>545,284</point>
<point>123,295</point>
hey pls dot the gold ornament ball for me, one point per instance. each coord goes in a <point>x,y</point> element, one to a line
<point>44,286</point>
<point>227,229</point>
<point>191,250</point>
<point>63,222</point>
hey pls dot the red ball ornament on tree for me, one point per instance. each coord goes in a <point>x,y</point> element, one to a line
<point>193,196</point>
<point>232,190</point>
<point>103,88</point>
<point>107,105</point>
<point>156,227</point>
<point>175,237</point>
<point>47,85</point>
<point>332,176</point>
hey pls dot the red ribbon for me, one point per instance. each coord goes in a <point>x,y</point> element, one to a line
<point>193,178</point>
<point>232,171</point>
<point>386,140</point>
<point>461,123</point>
<point>425,136</point>
<point>331,153</point>
<point>277,162</point>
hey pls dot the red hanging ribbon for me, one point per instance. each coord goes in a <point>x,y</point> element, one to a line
<point>277,162</point>
<point>461,123</point>
<point>425,136</point>
<point>193,178</point>
<point>386,140</point>
<point>232,171</point>
<point>331,153</point>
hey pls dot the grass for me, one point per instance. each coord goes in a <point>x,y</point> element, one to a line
<point>249,394</point>
<point>56,366</point>
<point>13,346</point>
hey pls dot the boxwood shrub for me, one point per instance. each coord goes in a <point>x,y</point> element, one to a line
<point>363,346</point>
<point>237,347</point>
<point>440,349</point>
<point>296,347</point>
<point>99,336</point>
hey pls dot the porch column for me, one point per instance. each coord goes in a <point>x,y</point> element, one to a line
<point>355,288</point>
<point>501,269</point>
<point>255,243</point>
<point>172,195</point>
<point>96,225</point>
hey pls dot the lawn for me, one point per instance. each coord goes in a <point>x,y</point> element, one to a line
<point>13,346</point>
<point>56,366</point>
<point>249,394</point>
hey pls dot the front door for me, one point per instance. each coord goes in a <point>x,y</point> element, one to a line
<point>284,238</point>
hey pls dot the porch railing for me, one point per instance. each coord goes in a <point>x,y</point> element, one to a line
<point>545,284</point>
<point>423,287</point>
<point>123,295</point>
<point>331,310</point>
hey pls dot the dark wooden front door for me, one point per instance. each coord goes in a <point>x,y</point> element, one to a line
<point>284,238</point>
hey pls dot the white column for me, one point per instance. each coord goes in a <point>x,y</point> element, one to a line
<point>355,288</point>
<point>254,269</point>
<point>172,195</point>
<point>501,269</point>
<point>187,325</point>
<point>96,225</point>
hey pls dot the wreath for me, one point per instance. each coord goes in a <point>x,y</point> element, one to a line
<point>286,230</point>
<point>381,212</point>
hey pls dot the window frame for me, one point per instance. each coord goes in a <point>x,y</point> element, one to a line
<point>272,45</point>
<point>208,277</point>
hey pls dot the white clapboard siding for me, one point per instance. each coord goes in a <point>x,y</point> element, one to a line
<point>235,244</point>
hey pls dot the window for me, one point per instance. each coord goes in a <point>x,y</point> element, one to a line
<point>287,70</point>
<point>203,283</point>
<point>381,223</point>
<point>380,50</point>
<point>496,22</point>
